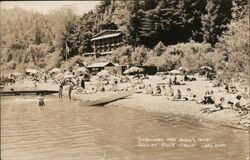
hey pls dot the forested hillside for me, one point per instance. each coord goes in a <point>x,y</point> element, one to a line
<point>163,33</point>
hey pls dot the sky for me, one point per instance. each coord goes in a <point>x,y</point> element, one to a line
<point>79,7</point>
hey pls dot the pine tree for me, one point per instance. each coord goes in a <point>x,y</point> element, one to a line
<point>133,24</point>
<point>215,20</point>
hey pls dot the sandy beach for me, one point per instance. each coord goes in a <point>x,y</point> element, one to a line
<point>189,108</point>
<point>151,103</point>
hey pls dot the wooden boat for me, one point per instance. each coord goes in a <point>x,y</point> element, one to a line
<point>27,92</point>
<point>108,99</point>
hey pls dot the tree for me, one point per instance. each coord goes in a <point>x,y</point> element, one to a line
<point>239,9</point>
<point>159,49</point>
<point>108,26</point>
<point>139,56</point>
<point>133,24</point>
<point>234,44</point>
<point>215,20</point>
<point>122,55</point>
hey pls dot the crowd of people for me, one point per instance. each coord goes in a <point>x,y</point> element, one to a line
<point>209,102</point>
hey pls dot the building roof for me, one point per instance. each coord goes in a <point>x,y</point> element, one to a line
<point>106,53</point>
<point>101,64</point>
<point>106,36</point>
<point>91,53</point>
<point>105,32</point>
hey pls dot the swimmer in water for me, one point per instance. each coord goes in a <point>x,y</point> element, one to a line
<point>41,100</point>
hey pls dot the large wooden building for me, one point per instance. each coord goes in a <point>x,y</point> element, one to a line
<point>105,42</point>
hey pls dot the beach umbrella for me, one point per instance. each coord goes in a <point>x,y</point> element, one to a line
<point>207,68</point>
<point>183,69</point>
<point>141,69</point>
<point>134,69</point>
<point>32,71</point>
<point>103,73</point>
<point>174,72</point>
<point>126,72</point>
<point>55,70</point>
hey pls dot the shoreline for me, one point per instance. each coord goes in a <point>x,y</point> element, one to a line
<point>178,108</point>
<point>161,104</point>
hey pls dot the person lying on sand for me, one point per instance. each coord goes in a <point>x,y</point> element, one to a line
<point>237,105</point>
<point>220,105</point>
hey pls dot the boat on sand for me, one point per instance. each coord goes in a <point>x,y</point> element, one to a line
<point>107,99</point>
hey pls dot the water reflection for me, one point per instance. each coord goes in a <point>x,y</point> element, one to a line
<point>66,130</point>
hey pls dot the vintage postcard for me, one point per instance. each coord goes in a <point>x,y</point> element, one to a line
<point>124,80</point>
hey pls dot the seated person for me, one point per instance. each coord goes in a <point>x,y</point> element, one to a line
<point>169,90</point>
<point>211,98</point>
<point>170,81</point>
<point>193,98</point>
<point>93,90</point>
<point>149,90</point>
<point>233,90</point>
<point>186,78</point>
<point>175,82</point>
<point>193,79</point>
<point>158,90</point>
<point>177,97</point>
<point>102,89</point>
<point>208,98</point>
<point>226,87</point>
<point>236,105</point>
<point>188,94</point>
<point>220,104</point>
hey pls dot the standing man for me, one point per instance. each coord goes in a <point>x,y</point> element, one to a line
<point>60,92</point>
<point>82,83</point>
<point>116,84</point>
<point>77,82</point>
<point>70,90</point>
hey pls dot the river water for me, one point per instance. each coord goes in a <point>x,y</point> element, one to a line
<point>65,130</point>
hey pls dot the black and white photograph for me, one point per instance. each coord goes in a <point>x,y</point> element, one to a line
<point>125,80</point>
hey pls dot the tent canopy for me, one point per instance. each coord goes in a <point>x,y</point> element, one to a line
<point>174,72</point>
<point>207,68</point>
<point>133,70</point>
<point>183,69</point>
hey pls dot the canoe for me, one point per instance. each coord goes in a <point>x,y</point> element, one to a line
<point>27,92</point>
<point>108,99</point>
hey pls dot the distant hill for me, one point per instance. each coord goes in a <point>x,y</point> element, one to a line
<point>34,40</point>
